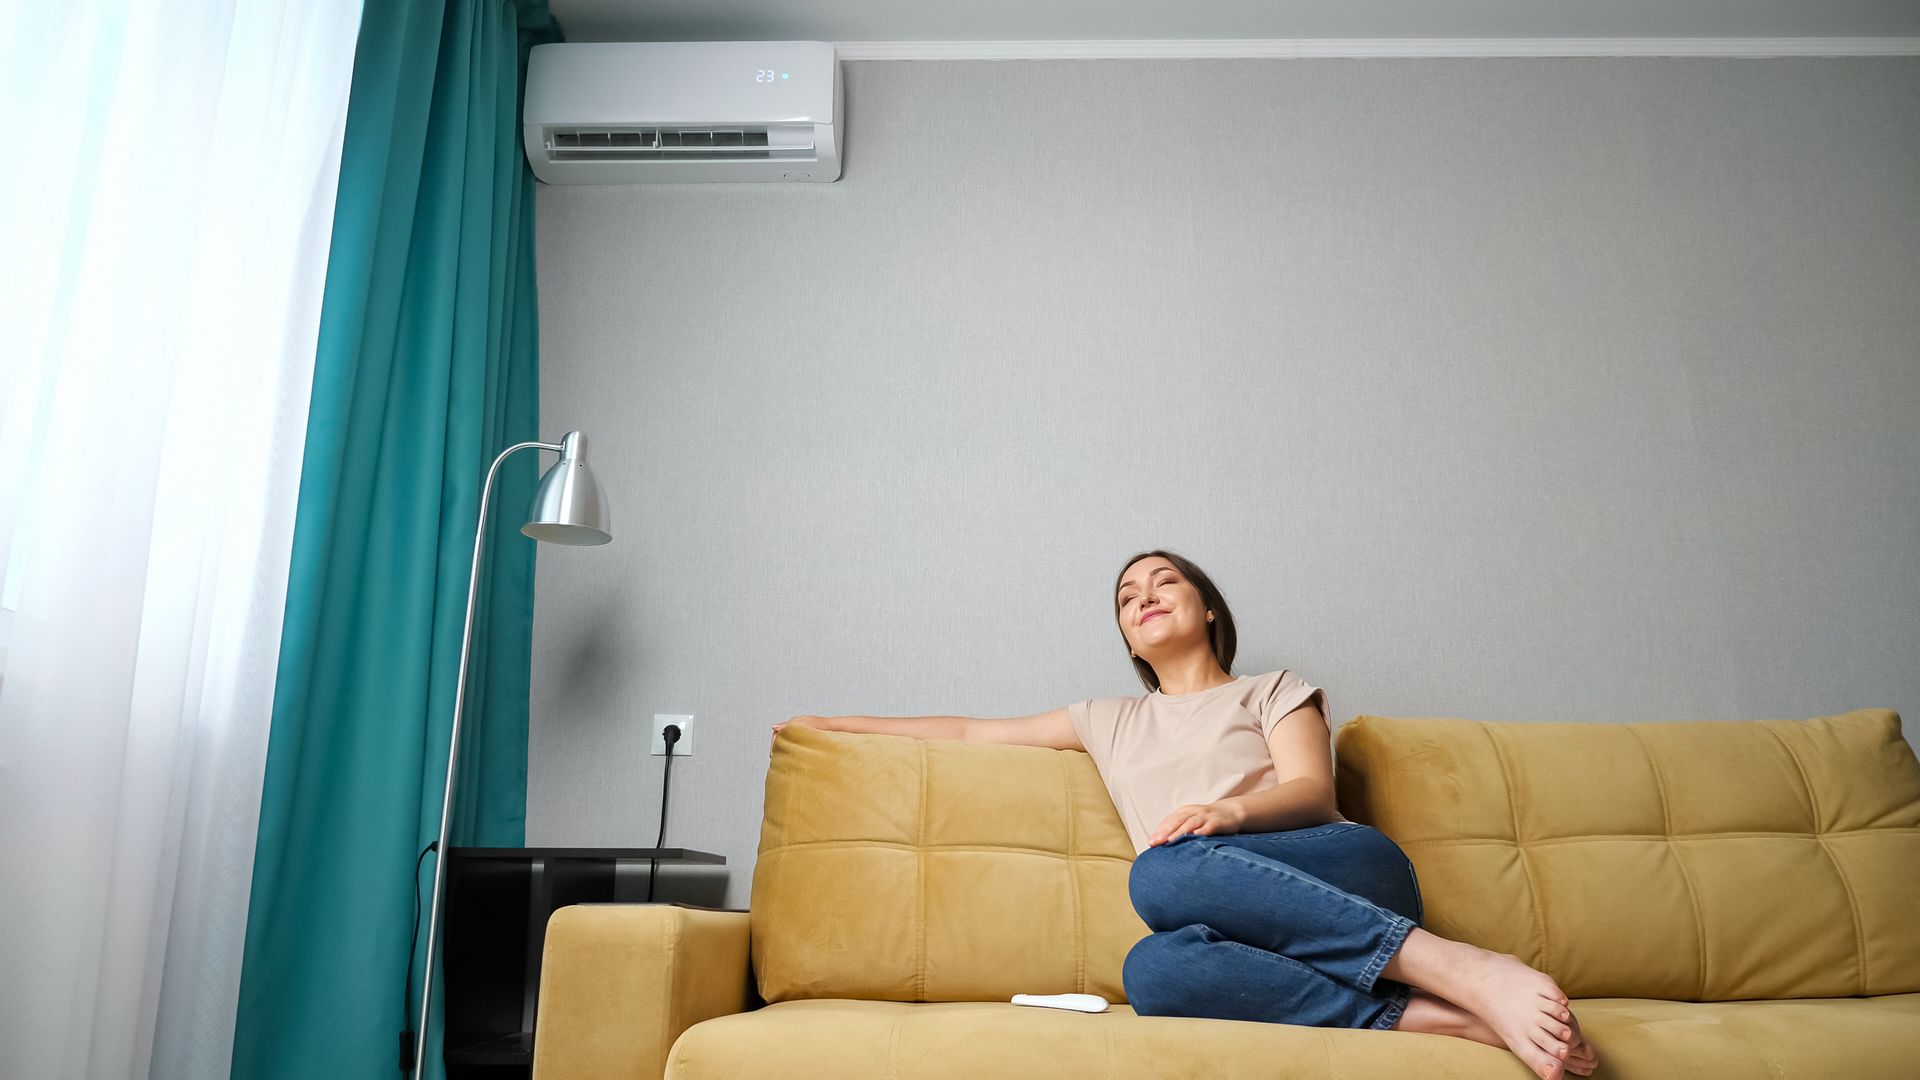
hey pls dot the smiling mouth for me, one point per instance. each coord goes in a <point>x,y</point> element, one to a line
<point>1151,616</point>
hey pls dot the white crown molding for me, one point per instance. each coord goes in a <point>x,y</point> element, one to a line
<point>1370,48</point>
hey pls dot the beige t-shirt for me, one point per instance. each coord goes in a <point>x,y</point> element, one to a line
<point>1158,751</point>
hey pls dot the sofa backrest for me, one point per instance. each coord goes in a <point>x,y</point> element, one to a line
<point>892,868</point>
<point>1701,860</point>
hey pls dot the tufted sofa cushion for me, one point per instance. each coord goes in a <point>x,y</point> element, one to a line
<point>1706,860</point>
<point>892,868</point>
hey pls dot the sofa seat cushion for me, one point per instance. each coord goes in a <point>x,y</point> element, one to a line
<point>846,1039</point>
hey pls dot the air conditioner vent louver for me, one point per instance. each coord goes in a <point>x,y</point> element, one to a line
<point>683,144</point>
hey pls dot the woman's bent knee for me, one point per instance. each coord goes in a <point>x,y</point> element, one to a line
<point>1145,976</point>
<point>1153,875</point>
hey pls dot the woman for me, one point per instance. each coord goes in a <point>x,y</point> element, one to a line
<point>1265,903</point>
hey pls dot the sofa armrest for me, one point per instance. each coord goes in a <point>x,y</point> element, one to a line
<point>620,982</point>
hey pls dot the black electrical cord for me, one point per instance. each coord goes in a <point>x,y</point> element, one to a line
<point>670,734</point>
<point>406,993</point>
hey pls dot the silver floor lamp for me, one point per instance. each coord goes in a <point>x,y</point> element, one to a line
<point>569,508</point>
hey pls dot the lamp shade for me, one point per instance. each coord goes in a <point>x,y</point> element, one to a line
<point>570,507</point>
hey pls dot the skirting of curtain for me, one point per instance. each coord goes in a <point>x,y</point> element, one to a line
<point>426,368</point>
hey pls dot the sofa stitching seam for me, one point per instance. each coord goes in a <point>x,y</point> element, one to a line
<point>893,1048</point>
<point>1666,826</point>
<point>1011,849</point>
<point>1443,841</point>
<point>1513,812</point>
<point>672,943</point>
<point>920,959</point>
<point>1073,887</point>
<point>1853,903</point>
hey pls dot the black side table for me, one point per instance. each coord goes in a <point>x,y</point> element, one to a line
<point>497,904</point>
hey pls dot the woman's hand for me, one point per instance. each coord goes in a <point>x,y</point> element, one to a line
<point>1209,819</point>
<point>816,722</point>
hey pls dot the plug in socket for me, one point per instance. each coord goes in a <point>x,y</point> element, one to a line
<point>681,748</point>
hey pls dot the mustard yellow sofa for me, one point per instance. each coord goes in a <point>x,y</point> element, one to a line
<point>1720,899</point>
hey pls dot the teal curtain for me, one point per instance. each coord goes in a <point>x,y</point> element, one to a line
<point>425,369</point>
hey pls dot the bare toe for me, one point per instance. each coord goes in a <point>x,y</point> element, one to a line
<point>1549,1045</point>
<point>1558,1031</point>
<point>1548,1054</point>
<point>1579,1046</point>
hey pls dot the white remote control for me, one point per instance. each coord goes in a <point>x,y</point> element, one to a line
<point>1076,1002</point>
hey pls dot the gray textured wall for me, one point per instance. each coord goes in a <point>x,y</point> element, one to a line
<point>1508,389</point>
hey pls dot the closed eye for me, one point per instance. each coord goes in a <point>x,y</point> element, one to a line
<point>1124,600</point>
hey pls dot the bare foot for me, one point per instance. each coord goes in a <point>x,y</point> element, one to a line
<point>1524,1007</point>
<point>1435,1015</point>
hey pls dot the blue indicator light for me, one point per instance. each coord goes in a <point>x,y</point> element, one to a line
<point>783,74</point>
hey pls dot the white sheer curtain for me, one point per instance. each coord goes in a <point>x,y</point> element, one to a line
<point>166,209</point>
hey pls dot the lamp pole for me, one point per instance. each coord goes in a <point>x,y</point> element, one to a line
<point>566,505</point>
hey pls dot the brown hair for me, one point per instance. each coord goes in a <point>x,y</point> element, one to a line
<point>1219,632</point>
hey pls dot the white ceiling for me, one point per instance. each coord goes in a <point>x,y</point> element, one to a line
<point>899,21</point>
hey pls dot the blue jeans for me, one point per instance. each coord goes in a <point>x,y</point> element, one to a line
<point>1287,927</point>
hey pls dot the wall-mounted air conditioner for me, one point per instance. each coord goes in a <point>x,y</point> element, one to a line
<point>672,111</point>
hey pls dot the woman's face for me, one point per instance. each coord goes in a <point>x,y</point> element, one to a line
<point>1159,610</point>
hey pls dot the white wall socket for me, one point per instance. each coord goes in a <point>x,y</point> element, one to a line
<point>684,746</point>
